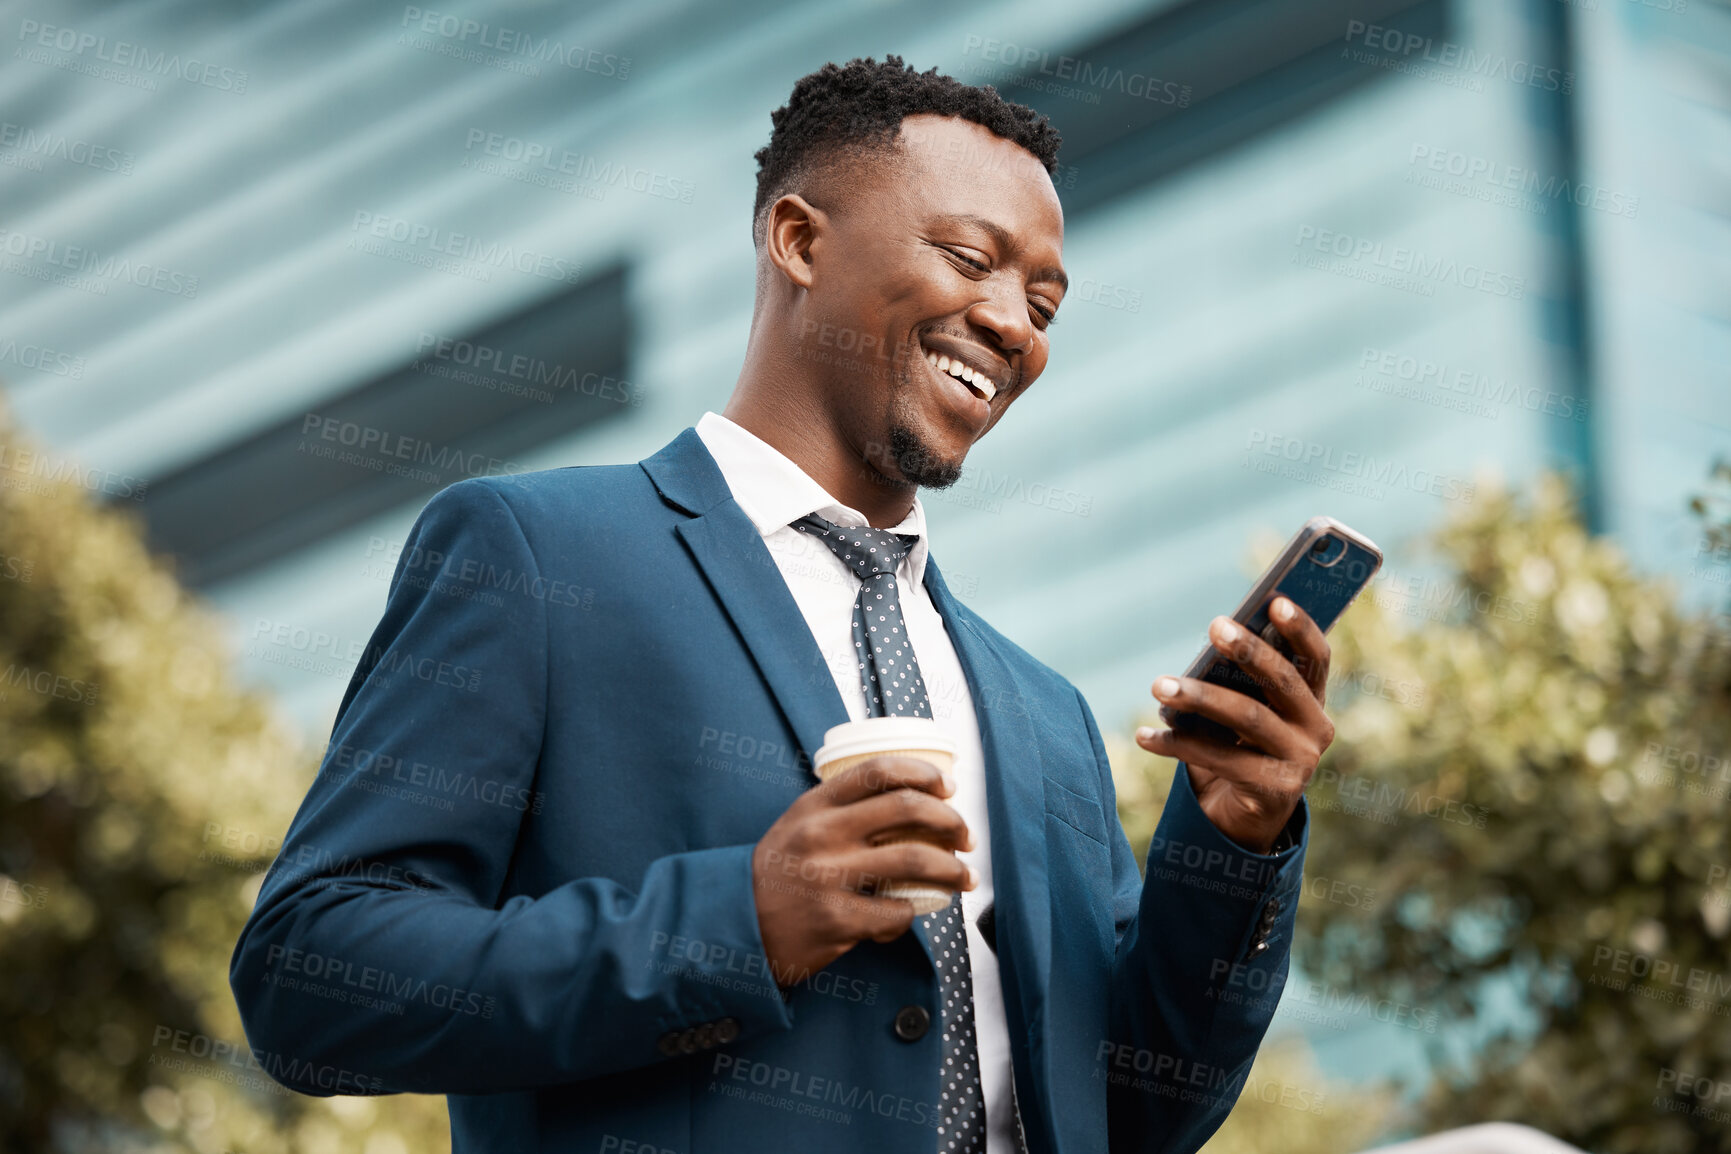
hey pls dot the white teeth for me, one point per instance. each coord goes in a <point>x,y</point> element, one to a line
<point>962,373</point>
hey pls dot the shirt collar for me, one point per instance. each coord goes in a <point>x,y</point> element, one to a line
<point>774,492</point>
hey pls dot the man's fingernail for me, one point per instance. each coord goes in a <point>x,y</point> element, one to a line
<point>1145,733</point>
<point>973,878</point>
<point>949,781</point>
<point>1166,687</point>
<point>1282,609</point>
<point>1228,632</point>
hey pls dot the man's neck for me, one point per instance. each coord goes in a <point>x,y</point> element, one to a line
<point>809,439</point>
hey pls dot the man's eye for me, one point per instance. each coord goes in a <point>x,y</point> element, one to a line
<point>1046,315</point>
<point>976,265</point>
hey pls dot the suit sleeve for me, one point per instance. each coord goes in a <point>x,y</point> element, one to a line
<point>1203,947</point>
<point>379,956</point>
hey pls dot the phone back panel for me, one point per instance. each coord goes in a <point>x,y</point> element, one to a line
<point>1323,591</point>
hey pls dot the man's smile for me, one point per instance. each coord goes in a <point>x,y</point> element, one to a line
<point>980,373</point>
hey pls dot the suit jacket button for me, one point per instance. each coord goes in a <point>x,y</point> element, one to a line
<point>688,1041</point>
<point>912,1022</point>
<point>1269,913</point>
<point>726,1031</point>
<point>669,1043</point>
<point>706,1035</point>
<point>1257,948</point>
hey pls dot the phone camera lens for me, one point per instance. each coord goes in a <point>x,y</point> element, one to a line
<point>1326,551</point>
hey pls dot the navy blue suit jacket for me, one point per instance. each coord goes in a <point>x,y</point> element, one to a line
<point>523,875</point>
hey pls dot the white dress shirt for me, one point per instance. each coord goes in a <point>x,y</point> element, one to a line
<point>774,492</point>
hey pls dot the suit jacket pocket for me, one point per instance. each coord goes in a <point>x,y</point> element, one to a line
<point>1075,810</point>
<point>1079,869</point>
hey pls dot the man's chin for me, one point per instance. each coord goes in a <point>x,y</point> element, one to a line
<point>918,464</point>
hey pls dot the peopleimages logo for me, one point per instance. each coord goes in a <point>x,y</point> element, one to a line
<point>42,359</point>
<point>1457,58</point>
<point>586,169</point>
<point>398,454</point>
<point>35,472</point>
<point>1671,979</point>
<point>1172,1076</point>
<point>1398,259</point>
<point>1485,177</point>
<point>493,361</point>
<point>216,1051</point>
<point>47,683</point>
<point>1467,386</point>
<point>515,43</point>
<point>1383,802</point>
<point>1246,984</point>
<point>29,141</point>
<point>1069,68</point>
<point>981,488</point>
<point>341,976</point>
<point>431,243</point>
<point>128,55</point>
<point>82,261</point>
<point>800,1091</point>
<point>1360,466</point>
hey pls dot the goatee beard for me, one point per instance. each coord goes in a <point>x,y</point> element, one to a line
<point>918,464</point>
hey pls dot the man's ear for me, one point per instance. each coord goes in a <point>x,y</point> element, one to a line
<point>791,235</point>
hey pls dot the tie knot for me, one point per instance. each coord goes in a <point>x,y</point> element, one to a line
<point>868,552</point>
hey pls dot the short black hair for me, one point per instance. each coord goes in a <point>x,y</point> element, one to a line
<point>859,107</point>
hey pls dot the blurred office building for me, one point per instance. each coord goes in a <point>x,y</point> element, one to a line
<point>273,273</point>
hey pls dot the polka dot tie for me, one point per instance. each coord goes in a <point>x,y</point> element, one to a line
<point>891,678</point>
<point>962,1107</point>
<point>887,670</point>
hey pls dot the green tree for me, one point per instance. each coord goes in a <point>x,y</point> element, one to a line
<point>141,796</point>
<point>1532,766</point>
<point>1714,505</point>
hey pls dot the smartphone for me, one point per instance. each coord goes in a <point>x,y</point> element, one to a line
<point>1321,570</point>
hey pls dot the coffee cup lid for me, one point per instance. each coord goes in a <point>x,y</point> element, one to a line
<point>882,735</point>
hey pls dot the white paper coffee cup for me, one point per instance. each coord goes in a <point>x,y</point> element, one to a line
<point>846,745</point>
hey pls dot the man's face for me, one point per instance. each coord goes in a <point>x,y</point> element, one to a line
<point>951,264</point>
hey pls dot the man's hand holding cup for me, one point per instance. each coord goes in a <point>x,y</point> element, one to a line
<point>865,852</point>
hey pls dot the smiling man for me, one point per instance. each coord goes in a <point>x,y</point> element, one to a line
<point>594,893</point>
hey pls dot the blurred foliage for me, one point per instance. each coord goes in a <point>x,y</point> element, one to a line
<point>1287,1106</point>
<point>1533,764</point>
<point>141,797</point>
<point>1532,768</point>
<point>1713,506</point>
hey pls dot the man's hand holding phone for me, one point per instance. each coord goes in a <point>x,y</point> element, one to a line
<point>1249,788</point>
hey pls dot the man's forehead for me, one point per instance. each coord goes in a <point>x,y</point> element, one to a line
<point>956,171</point>
<point>952,143</point>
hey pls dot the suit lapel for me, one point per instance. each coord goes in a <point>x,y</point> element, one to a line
<point>728,549</point>
<point>1016,805</point>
